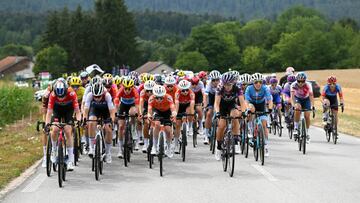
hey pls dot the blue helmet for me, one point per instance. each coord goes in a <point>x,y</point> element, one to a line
<point>301,76</point>
<point>60,88</point>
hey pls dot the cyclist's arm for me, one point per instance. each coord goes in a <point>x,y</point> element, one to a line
<point>192,102</point>
<point>176,106</point>
<point>341,95</point>
<point>141,105</point>
<point>205,100</point>
<point>242,103</point>
<point>150,108</point>
<point>111,106</point>
<point>217,103</point>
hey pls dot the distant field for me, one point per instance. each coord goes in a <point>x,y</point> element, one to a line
<point>349,79</point>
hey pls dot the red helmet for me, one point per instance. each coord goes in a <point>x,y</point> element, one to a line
<point>202,74</point>
<point>194,80</point>
<point>331,79</point>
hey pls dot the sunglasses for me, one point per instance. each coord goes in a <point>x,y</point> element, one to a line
<point>301,81</point>
<point>169,86</point>
<point>258,82</point>
<point>148,91</point>
<point>97,97</point>
<point>215,80</point>
<point>184,90</point>
<point>107,87</point>
<point>75,86</point>
<point>158,98</point>
<point>127,89</point>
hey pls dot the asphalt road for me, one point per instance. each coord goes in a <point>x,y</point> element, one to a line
<point>327,173</point>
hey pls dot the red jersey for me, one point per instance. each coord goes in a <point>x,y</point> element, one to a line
<point>128,99</point>
<point>164,105</point>
<point>69,99</point>
<point>140,88</point>
<point>184,99</point>
<point>172,93</point>
<point>45,98</point>
<point>113,91</point>
<point>144,96</point>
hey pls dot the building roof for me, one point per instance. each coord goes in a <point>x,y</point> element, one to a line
<point>10,61</point>
<point>149,66</point>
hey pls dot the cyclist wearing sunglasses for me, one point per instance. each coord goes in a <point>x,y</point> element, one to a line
<point>170,86</point>
<point>257,96</point>
<point>109,85</point>
<point>287,95</point>
<point>302,98</point>
<point>143,108</point>
<point>184,104</point>
<point>162,105</point>
<point>99,104</point>
<point>275,91</point>
<point>84,76</point>
<point>197,87</point>
<point>329,98</point>
<point>225,104</point>
<point>209,99</point>
<point>126,101</point>
<point>61,107</point>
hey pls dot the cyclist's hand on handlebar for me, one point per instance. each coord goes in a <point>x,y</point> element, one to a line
<point>244,114</point>
<point>217,115</point>
<point>342,107</point>
<point>47,127</point>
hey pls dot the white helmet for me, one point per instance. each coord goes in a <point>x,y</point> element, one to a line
<point>273,75</point>
<point>184,85</point>
<point>149,85</point>
<point>214,75</point>
<point>246,78</point>
<point>257,77</point>
<point>159,91</point>
<point>170,80</point>
<point>97,89</point>
<point>241,79</point>
<point>290,70</point>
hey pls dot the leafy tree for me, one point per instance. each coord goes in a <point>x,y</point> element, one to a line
<point>254,33</point>
<point>15,50</point>
<point>254,59</point>
<point>52,59</point>
<point>192,60</point>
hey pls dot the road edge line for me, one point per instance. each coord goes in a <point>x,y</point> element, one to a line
<point>19,180</point>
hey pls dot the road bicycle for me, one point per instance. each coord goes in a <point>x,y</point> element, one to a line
<point>331,128</point>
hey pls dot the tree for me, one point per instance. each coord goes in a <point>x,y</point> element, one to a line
<point>15,50</point>
<point>52,59</point>
<point>192,60</point>
<point>253,59</point>
<point>254,33</point>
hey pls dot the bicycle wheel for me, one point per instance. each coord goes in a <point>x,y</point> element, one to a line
<point>102,153</point>
<point>126,145</point>
<point>231,155</point>
<point>242,137</point>
<point>183,142</point>
<point>279,126</point>
<point>195,133</point>
<point>334,129</point>
<point>161,153</point>
<point>304,135</point>
<point>97,158</point>
<point>76,146</point>
<point>256,148</point>
<point>224,154</point>
<point>327,134</point>
<point>274,124</point>
<point>150,157</point>
<point>246,145</point>
<point>60,163</point>
<point>261,143</point>
<point>213,137</point>
<point>48,155</point>
<point>290,131</point>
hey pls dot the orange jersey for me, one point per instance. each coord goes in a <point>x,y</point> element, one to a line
<point>131,98</point>
<point>172,93</point>
<point>184,99</point>
<point>164,105</point>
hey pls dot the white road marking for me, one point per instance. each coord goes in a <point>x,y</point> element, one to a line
<point>35,183</point>
<point>264,172</point>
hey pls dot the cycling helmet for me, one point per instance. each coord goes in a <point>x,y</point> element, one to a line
<point>246,78</point>
<point>170,80</point>
<point>159,91</point>
<point>133,74</point>
<point>202,74</point>
<point>331,79</point>
<point>256,77</point>
<point>75,81</point>
<point>107,82</point>
<point>84,75</point>
<point>149,85</point>
<point>128,82</point>
<point>117,80</point>
<point>291,78</point>
<point>301,76</point>
<point>273,80</point>
<point>273,75</point>
<point>236,74</point>
<point>147,77</point>
<point>107,75</point>
<point>68,79</point>
<point>228,77</point>
<point>97,89</point>
<point>184,85</point>
<point>181,73</point>
<point>135,78</point>
<point>95,79</point>
<point>267,78</point>
<point>290,70</point>
<point>241,79</point>
<point>60,88</point>
<point>214,75</point>
<point>194,80</point>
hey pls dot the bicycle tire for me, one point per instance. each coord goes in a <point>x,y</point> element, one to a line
<point>102,152</point>
<point>213,138</point>
<point>334,129</point>
<point>242,137</point>
<point>97,158</point>
<point>195,133</point>
<point>161,153</point>
<point>224,155</point>
<point>231,156</point>
<point>76,146</point>
<point>60,164</point>
<point>279,126</point>
<point>304,136</point>
<point>261,144</point>
<point>328,135</point>
<point>183,142</point>
<point>150,157</point>
<point>48,155</point>
<point>256,149</point>
<point>126,147</point>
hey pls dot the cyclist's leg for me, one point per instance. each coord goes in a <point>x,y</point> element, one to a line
<point>199,112</point>
<point>134,124</point>
<point>235,122</point>
<point>190,110</point>
<point>209,116</point>
<point>326,106</point>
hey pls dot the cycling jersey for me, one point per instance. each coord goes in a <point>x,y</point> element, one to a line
<point>86,92</point>
<point>69,100</point>
<point>113,91</point>
<point>144,97</point>
<point>286,89</point>
<point>45,98</point>
<point>184,99</point>
<point>257,96</point>
<point>100,108</point>
<point>140,88</point>
<point>210,89</point>
<point>228,99</point>
<point>127,99</point>
<point>198,90</point>
<point>163,105</point>
<point>301,92</point>
<point>328,92</point>
<point>275,93</point>
<point>172,93</point>
<point>80,93</point>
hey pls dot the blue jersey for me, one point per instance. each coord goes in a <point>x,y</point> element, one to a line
<point>327,91</point>
<point>259,96</point>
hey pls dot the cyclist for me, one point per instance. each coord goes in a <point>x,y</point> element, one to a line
<point>197,87</point>
<point>99,104</point>
<point>329,98</point>
<point>184,103</point>
<point>62,104</point>
<point>164,110</point>
<point>126,102</point>
<point>275,91</point>
<point>257,96</point>
<point>302,98</point>
<point>287,96</point>
<point>76,85</point>
<point>143,109</point>
<point>108,84</point>
<point>84,76</point>
<point>209,99</point>
<point>289,71</point>
<point>117,81</point>
<point>203,77</point>
<point>170,86</point>
<point>225,104</point>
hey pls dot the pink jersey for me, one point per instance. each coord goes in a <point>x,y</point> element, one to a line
<point>301,92</point>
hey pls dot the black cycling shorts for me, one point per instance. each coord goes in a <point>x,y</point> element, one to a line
<point>63,113</point>
<point>163,117</point>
